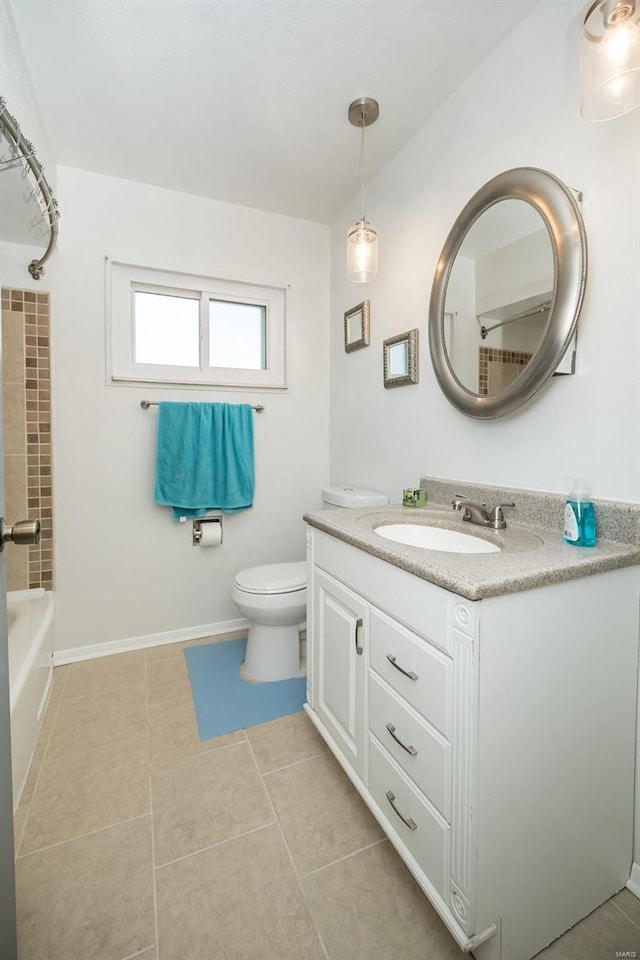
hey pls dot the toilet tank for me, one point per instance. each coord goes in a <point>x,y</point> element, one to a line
<point>351,497</point>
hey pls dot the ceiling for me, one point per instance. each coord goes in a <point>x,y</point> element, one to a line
<point>246,100</point>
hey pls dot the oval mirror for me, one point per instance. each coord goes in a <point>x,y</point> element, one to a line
<point>507,292</point>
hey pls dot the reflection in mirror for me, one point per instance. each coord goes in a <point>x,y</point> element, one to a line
<point>354,330</point>
<point>356,327</point>
<point>400,359</point>
<point>498,297</point>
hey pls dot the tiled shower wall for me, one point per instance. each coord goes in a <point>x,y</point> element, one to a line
<point>26,397</point>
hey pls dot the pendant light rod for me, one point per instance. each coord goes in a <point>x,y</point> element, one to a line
<point>362,113</point>
<point>362,237</point>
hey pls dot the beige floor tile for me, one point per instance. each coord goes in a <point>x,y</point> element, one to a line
<point>369,907</point>
<point>239,900</point>
<point>205,799</point>
<point>168,650</point>
<point>287,740</point>
<point>322,816</point>
<point>89,899</point>
<point>601,934</point>
<point>42,743</point>
<point>105,675</point>
<point>58,682</point>
<point>173,733</point>
<point>87,792</point>
<point>151,954</point>
<point>552,952</point>
<point>629,904</point>
<point>30,783</point>
<point>60,675</point>
<point>46,729</point>
<point>89,722</point>
<point>19,821</point>
<point>167,680</point>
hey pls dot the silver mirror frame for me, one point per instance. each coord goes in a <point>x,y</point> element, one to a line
<point>411,376</point>
<point>560,212</point>
<point>364,311</point>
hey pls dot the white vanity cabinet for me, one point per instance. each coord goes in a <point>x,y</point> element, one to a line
<point>493,740</point>
<point>339,668</point>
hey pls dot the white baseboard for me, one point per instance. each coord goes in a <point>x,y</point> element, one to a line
<point>90,652</point>
<point>633,883</point>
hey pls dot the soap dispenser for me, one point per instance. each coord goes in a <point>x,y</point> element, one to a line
<point>579,517</point>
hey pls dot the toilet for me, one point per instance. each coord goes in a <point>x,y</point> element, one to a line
<point>273,598</point>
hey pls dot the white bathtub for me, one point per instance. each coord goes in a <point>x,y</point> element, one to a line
<point>30,615</point>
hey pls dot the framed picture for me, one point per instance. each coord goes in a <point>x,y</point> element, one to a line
<point>356,327</point>
<point>400,359</point>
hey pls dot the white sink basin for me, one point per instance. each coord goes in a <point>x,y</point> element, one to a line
<point>435,538</point>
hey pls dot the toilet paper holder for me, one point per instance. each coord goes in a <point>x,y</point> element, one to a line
<point>200,522</point>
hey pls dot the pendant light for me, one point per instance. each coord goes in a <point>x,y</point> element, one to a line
<point>610,59</point>
<point>362,238</point>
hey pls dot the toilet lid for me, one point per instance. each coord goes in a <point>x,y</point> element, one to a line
<point>273,578</point>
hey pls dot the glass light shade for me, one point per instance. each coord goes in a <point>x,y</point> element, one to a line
<point>610,59</point>
<point>362,252</point>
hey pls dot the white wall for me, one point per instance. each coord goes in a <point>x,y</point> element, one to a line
<point>16,88</point>
<point>519,108</point>
<point>123,567</point>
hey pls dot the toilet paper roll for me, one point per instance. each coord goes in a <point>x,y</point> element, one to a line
<point>210,534</point>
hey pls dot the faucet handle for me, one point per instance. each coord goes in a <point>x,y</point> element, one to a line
<point>497,516</point>
<point>459,501</point>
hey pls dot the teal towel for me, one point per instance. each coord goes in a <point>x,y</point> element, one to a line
<point>204,457</point>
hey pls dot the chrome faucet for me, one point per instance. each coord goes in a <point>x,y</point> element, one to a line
<point>478,513</point>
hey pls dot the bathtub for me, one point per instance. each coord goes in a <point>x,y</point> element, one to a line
<point>30,617</point>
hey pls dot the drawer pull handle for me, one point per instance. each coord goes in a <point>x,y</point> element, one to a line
<point>408,673</point>
<point>408,822</point>
<point>409,749</point>
<point>358,645</point>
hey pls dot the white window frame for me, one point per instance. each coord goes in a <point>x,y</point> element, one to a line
<point>121,282</point>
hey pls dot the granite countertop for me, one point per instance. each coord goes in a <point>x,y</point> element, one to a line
<point>530,556</point>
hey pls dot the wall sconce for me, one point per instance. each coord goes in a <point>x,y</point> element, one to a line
<point>362,238</point>
<point>610,59</point>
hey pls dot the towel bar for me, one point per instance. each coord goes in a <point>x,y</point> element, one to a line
<point>145,404</point>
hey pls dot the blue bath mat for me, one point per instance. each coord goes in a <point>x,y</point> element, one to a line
<point>224,701</point>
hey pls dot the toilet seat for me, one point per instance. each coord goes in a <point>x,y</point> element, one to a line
<point>273,578</point>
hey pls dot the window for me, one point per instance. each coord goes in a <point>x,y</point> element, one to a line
<point>175,328</point>
<point>237,334</point>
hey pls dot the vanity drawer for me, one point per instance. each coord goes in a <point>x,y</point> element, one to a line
<point>426,756</point>
<point>422,831</point>
<point>423,606</point>
<point>417,671</point>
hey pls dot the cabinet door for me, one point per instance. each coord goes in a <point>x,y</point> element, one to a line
<point>340,636</point>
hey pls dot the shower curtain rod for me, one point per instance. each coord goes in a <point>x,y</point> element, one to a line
<point>23,152</point>
<point>145,404</point>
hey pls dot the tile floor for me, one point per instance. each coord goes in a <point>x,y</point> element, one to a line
<point>134,839</point>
